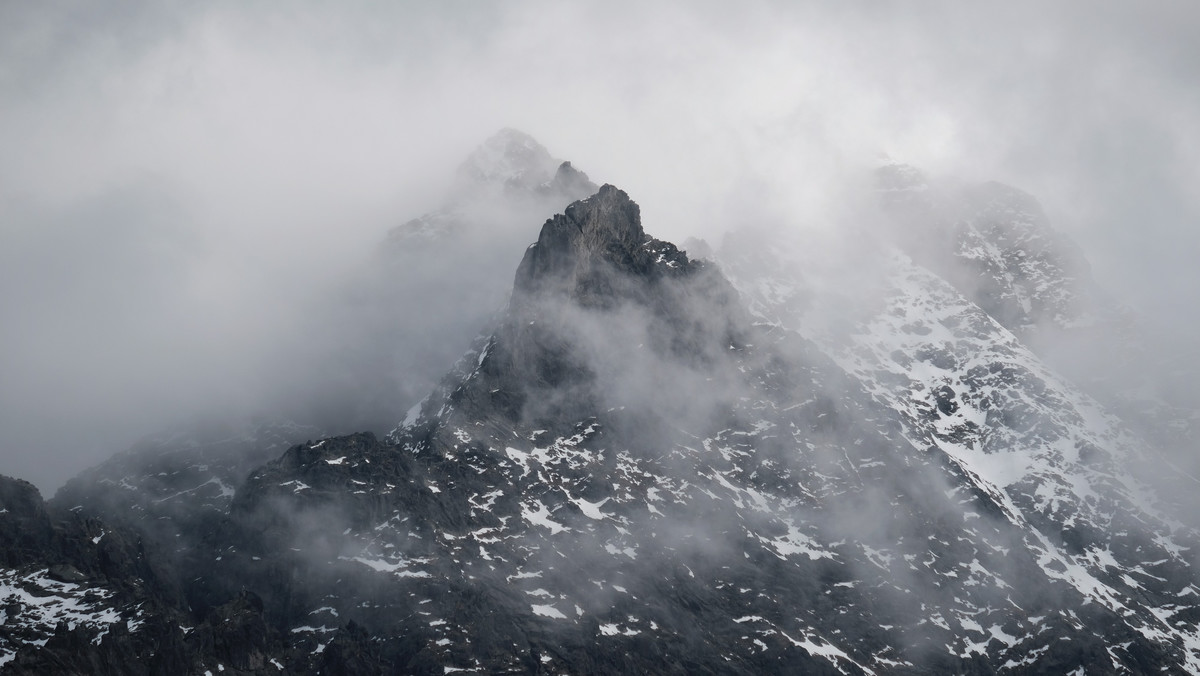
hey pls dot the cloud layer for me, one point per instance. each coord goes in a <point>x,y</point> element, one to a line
<point>179,183</point>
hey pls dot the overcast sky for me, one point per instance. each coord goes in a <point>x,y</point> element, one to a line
<point>175,180</point>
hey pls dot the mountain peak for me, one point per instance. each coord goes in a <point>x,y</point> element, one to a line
<point>578,251</point>
<point>593,298</point>
<point>603,221</point>
<point>509,180</point>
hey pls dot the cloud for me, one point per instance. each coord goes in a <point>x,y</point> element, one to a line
<point>178,181</point>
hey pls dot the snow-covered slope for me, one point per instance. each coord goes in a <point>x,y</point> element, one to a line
<point>994,244</point>
<point>1051,459</point>
<point>65,578</point>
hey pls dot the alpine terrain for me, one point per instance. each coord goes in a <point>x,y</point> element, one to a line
<point>651,462</point>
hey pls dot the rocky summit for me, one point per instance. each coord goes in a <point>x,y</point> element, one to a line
<point>649,463</point>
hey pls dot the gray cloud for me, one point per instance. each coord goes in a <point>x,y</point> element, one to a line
<point>178,182</point>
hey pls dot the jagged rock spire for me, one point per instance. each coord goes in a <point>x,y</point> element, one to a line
<point>579,251</point>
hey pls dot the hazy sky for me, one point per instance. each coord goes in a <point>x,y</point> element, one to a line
<point>175,181</point>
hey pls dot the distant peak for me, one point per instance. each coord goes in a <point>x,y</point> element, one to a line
<point>509,156</point>
<point>570,182</point>
<point>697,248</point>
<point>510,135</point>
<point>898,176</point>
<point>514,142</point>
<point>509,176</point>
<point>993,195</point>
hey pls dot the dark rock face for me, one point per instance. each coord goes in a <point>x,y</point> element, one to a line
<point>78,595</point>
<point>25,526</point>
<point>632,472</point>
<point>584,252</point>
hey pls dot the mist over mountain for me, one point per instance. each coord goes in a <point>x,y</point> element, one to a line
<point>654,463</point>
<point>844,339</point>
<point>386,333</point>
